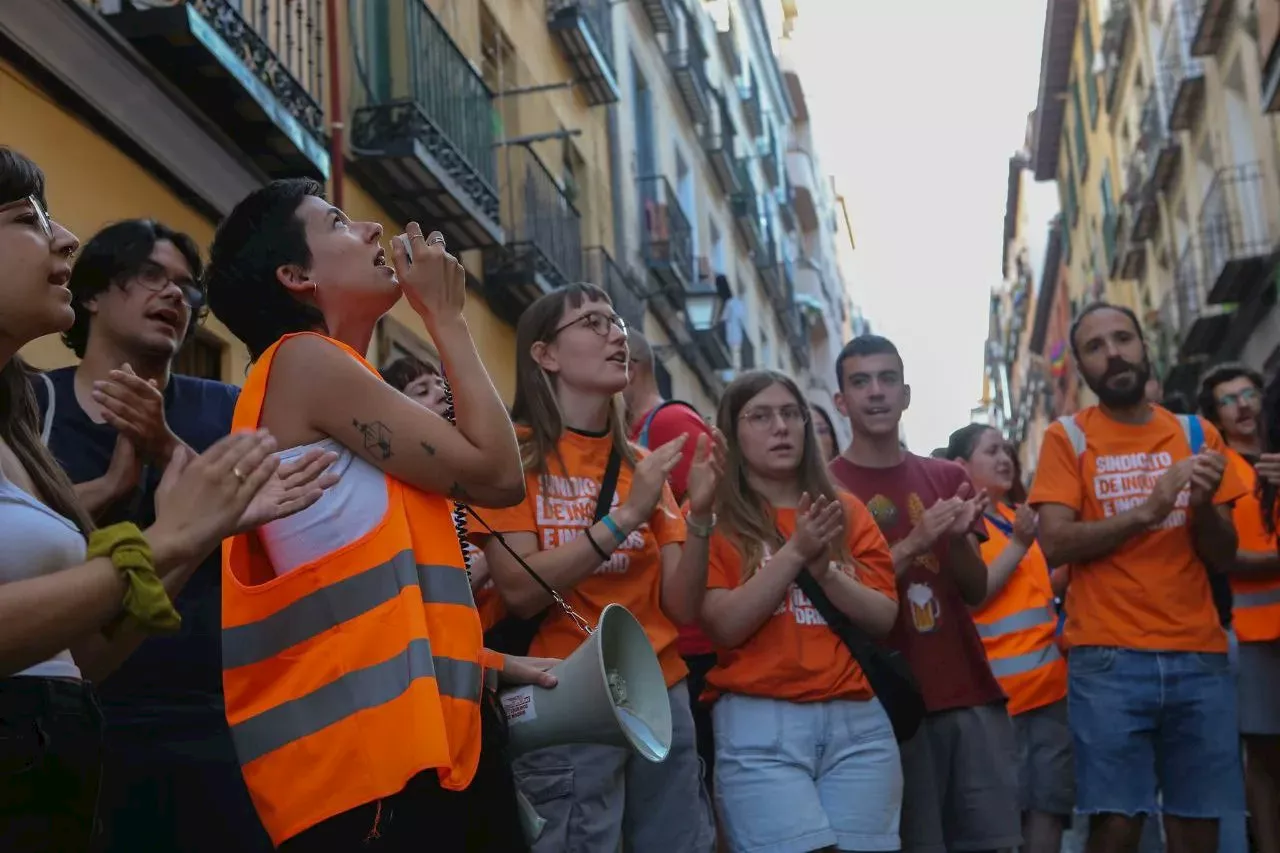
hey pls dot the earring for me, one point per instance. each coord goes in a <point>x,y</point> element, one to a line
<point>314,286</point>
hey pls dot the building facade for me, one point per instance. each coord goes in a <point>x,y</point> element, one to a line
<point>1151,120</point>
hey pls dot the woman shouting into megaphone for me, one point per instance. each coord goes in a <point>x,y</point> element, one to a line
<point>357,687</point>
<point>599,526</point>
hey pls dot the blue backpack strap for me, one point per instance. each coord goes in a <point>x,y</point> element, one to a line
<point>1193,429</point>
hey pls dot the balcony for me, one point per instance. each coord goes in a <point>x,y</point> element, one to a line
<point>666,238</point>
<point>543,246</point>
<point>687,60</point>
<point>718,141</point>
<point>257,74</point>
<point>767,147</point>
<point>1236,236</point>
<point>724,16</point>
<point>1181,73</point>
<point>1160,147</point>
<point>749,92</point>
<point>661,15</point>
<point>599,268</point>
<point>714,344</point>
<point>584,31</point>
<point>1131,254</point>
<point>803,178</point>
<point>1201,328</point>
<point>748,211</point>
<point>1117,38</point>
<point>1111,236</point>
<point>423,139</point>
<point>1212,25</point>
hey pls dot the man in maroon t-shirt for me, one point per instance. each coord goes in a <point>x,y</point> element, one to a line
<point>960,771</point>
<point>654,422</point>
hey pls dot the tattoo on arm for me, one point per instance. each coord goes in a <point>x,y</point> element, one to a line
<point>431,451</point>
<point>377,437</point>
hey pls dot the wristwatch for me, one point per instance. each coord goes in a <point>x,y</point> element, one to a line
<point>702,531</point>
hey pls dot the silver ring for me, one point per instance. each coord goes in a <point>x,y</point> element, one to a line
<point>436,240</point>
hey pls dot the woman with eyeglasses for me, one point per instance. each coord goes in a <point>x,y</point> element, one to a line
<point>70,592</point>
<point>600,526</point>
<point>806,757</point>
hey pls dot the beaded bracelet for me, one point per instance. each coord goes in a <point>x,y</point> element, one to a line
<point>146,603</point>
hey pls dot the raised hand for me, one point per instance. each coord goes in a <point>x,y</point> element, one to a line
<point>649,478</point>
<point>295,486</point>
<point>201,498</point>
<point>969,510</point>
<point>818,524</point>
<point>135,407</point>
<point>705,473</point>
<point>434,281</point>
<point>935,522</point>
<point>1026,522</point>
<point>1164,494</point>
<point>1207,469</point>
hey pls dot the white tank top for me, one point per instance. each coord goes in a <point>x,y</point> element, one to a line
<point>37,542</point>
<point>348,510</point>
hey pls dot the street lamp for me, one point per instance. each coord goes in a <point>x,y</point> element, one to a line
<point>700,308</point>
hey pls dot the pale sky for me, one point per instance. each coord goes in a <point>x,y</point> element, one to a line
<point>916,107</point>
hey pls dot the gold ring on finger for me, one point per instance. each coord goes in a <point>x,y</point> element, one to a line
<point>238,474</point>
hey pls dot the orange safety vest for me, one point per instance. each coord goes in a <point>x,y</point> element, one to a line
<point>1018,628</point>
<point>1255,610</point>
<point>346,677</point>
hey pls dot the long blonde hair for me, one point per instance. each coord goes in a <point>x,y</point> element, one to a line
<point>535,406</point>
<point>745,516</point>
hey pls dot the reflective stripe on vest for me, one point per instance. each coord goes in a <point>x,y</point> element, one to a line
<point>346,677</point>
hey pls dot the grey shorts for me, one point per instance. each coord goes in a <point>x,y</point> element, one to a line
<point>961,783</point>
<point>1260,688</point>
<point>601,799</point>
<point>1046,779</point>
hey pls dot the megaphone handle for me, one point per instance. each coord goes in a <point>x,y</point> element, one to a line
<point>582,624</point>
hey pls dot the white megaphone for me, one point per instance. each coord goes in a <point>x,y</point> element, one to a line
<point>609,691</point>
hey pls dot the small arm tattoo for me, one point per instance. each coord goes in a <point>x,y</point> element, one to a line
<point>377,437</point>
<point>431,451</point>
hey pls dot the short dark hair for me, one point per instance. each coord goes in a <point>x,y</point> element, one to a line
<point>405,369</point>
<point>1093,308</point>
<point>865,345</point>
<point>261,234</point>
<point>1214,377</point>
<point>113,256</point>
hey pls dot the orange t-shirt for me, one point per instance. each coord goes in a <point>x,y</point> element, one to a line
<point>558,507</point>
<point>794,656</point>
<point>1027,591</point>
<point>1253,624</point>
<point>1153,592</point>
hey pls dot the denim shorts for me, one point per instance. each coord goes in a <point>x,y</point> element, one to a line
<point>1147,721</point>
<point>794,777</point>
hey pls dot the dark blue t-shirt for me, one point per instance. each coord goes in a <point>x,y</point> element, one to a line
<point>168,676</point>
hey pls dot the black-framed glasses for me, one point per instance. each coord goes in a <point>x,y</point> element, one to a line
<point>597,321</point>
<point>156,278</point>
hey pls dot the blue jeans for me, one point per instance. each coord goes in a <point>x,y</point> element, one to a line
<point>1155,723</point>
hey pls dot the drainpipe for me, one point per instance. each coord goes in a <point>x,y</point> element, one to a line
<point>337,158</point>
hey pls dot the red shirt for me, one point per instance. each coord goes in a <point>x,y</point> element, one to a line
<point>935,630</point>
<point>672,421</point>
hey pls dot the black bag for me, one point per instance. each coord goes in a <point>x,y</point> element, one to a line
<point>513,635</point>
<point>887,670</point>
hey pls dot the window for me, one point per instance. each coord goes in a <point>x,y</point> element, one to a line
<point>1109,215</point>
<point>201,356</point>
<point>1082,149</point>
<point>1090,78</point>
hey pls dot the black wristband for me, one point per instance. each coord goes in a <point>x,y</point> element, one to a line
<point>604,558</point>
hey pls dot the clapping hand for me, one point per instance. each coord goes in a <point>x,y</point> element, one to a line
<point>705,473</point>
<point>292,488</point>
<point>818,524</point>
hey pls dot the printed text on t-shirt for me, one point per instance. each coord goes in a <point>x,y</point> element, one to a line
<point>566,507</point>
<point>1124,481</point>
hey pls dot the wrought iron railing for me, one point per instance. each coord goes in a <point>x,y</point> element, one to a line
<point>1233,218</point>
<point>597,15</point>
<point>665,234</point>
<point>537,215</point>
<point>599,268</point>
<point>1116,37</point>
<point>410,72</point>
<point>1177,65</point>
